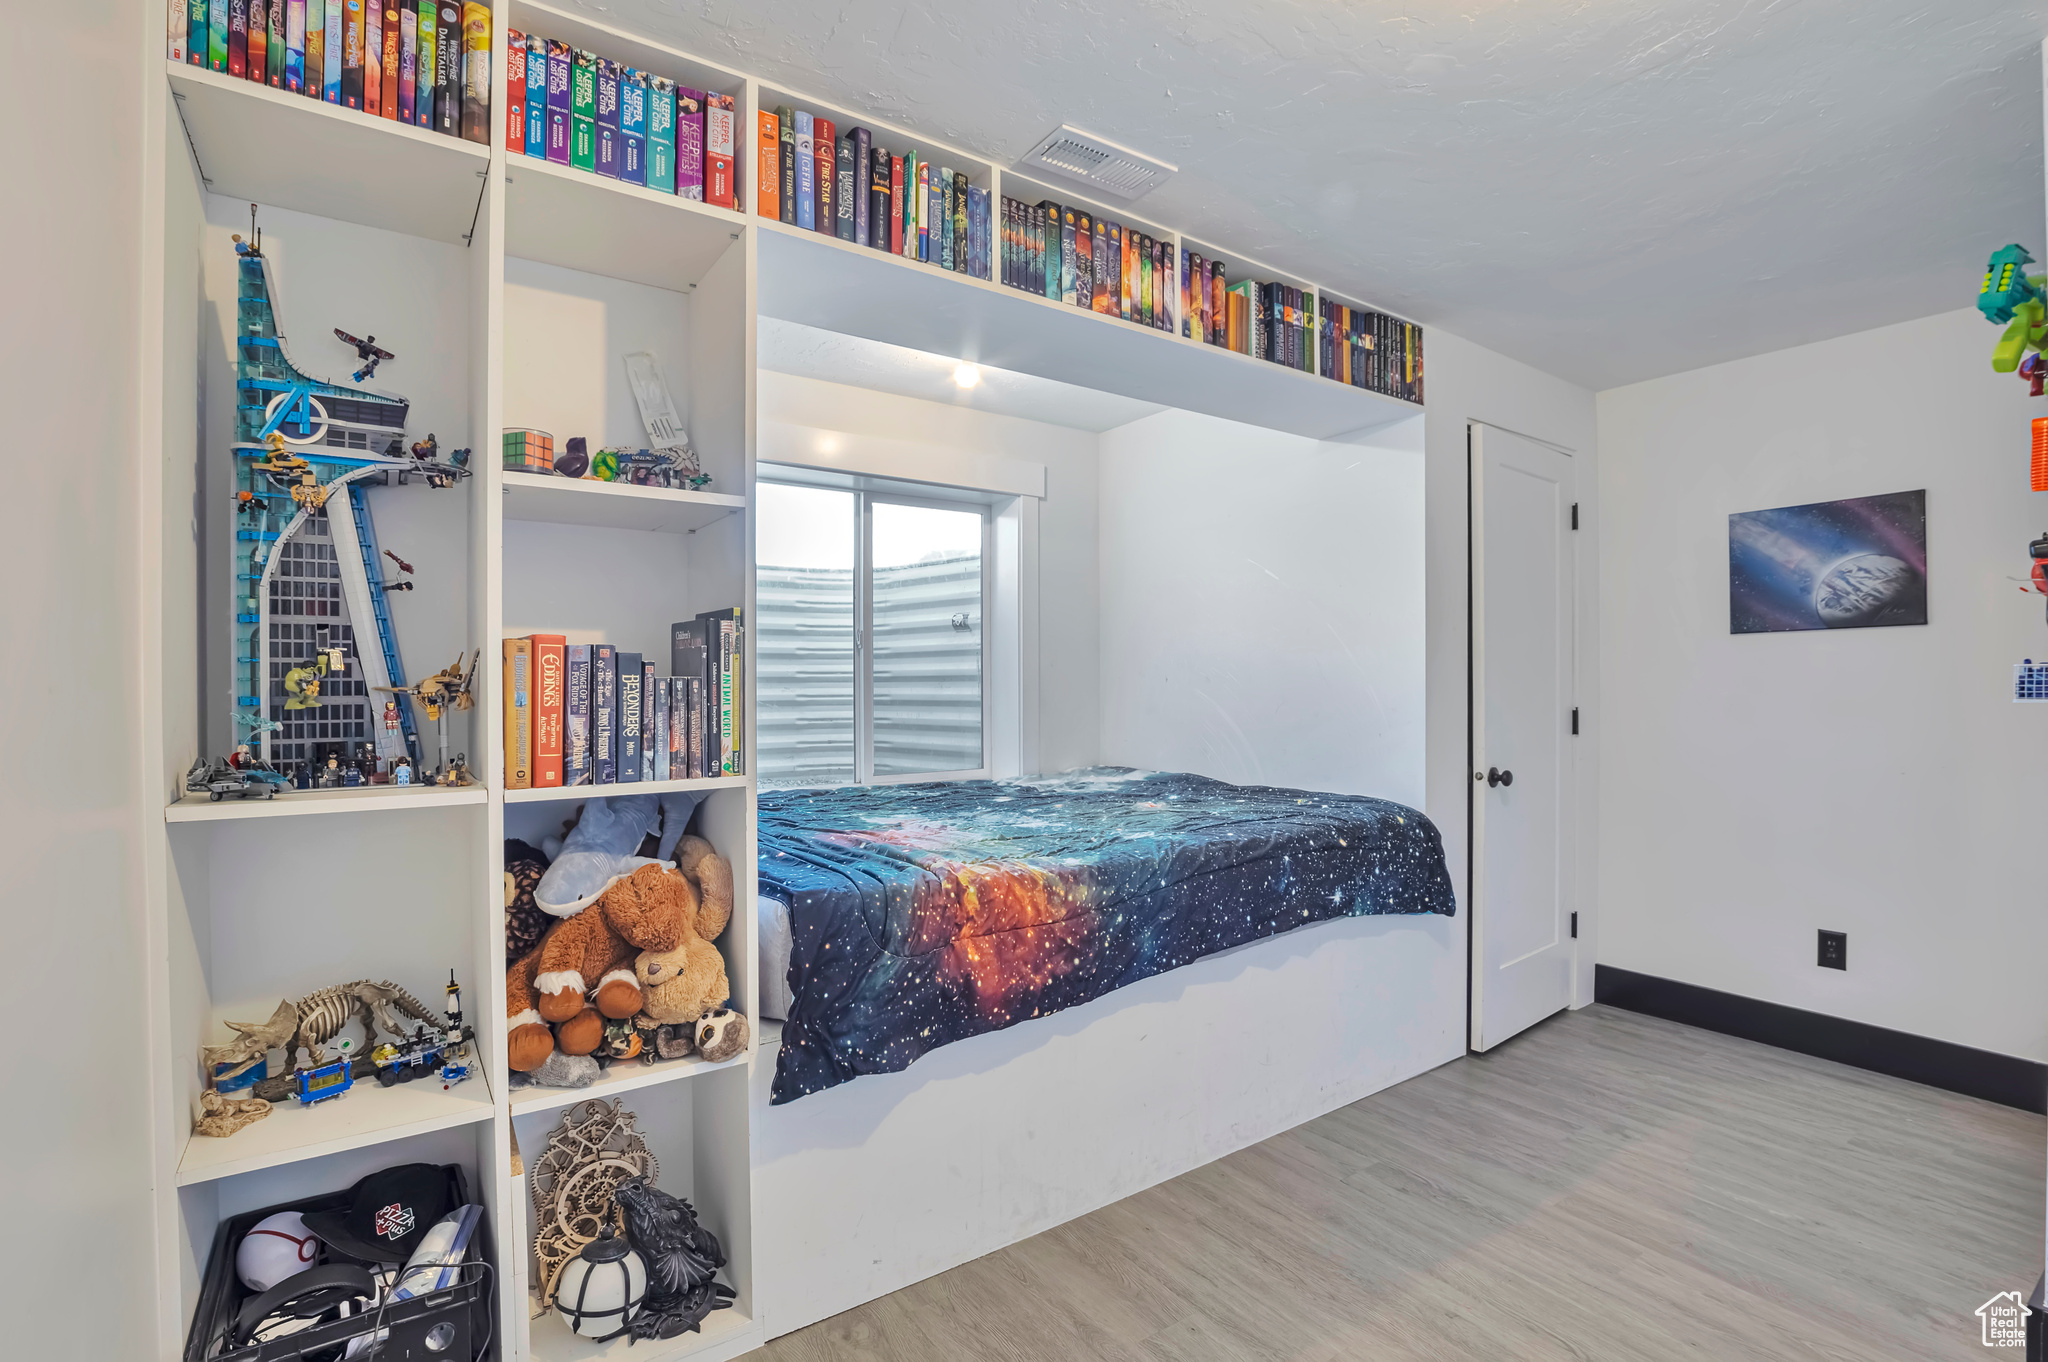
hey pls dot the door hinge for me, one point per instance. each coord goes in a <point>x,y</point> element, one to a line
<point>1575,721</point>
<point>1575,926</point>
<point>1575,515</point>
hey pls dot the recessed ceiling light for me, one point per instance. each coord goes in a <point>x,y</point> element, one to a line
<point>966,375</point>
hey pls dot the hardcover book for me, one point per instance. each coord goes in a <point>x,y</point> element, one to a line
<point>929,245</point>
<point>373,57</point>
<point>689,657</point>
<point>896,205</point>
<point>576,715</point>
<point>274,46</point>
<point>547,701</point>
<point>785,161</point>
<point>315,63</point>
<point>425,44</point>
<point>878,197</point>
<point>1105,267</point>
<point>1162,285</point>
<point>647,689</point>
<point>661,134</point>
<point>806,171</point>
<point>693,725</point>
<point>238,37</point>
<point>178,31</point>
<point>515,92</point>
<point>825,174</point>
<point>393,58</point>
<point>583,111</point>
<point>351,54</point>
<point>1219,285</point>
<point>604,714</point>
<point>217,35</point>
<point>561,99</point>
<point>721,178</point>
<point>1084,261</point>
<point>863,182</point>
<point>1142,303</point>
<point>609,149</point>
<point>630,674</point>
<point>958,179</point>
<point>678,733</point>
<point>1070,254</point>
<point>295,47</point>
<point>978,244</point>
<point>845,215</point>
<point>448,71</point>
<point>332,58</point>
<point>632,126</point>
<point>518,714</point>
<point>257,42</point>
<point>473,77</point>
<point>657,728</point>
<point>767,165</point>
<point>689,144</point>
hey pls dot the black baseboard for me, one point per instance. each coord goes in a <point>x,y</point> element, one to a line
<point>2020,1083</point>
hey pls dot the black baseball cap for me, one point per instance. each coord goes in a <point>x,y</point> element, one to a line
<point>389,1212</point>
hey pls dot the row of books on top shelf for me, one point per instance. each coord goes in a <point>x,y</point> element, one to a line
<point>817,178</point>
<point>574,108</point>
<point>1070,256</point>
<point>1370,350</point>
<point>423,62</point>
<point>595,714</point>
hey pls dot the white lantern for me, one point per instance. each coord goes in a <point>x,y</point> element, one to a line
<point>602,1287</point>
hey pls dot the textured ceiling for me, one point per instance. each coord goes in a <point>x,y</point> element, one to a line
<point>1608,189</point>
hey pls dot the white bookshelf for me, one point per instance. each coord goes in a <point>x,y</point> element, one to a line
<point>256,899</point>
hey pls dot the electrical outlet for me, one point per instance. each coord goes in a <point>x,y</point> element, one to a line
<point>1834,950</point>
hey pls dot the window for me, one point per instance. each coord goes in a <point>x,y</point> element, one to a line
<point>871,652</point>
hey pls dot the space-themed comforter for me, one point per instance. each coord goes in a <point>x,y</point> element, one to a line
<point>924,914</point>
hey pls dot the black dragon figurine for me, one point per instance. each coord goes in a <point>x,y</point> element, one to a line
<point>682,1260</point>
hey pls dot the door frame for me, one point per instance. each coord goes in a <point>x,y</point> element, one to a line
<point>1475,727</point>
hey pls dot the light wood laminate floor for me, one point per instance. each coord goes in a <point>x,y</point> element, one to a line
<point>1606,1186</point>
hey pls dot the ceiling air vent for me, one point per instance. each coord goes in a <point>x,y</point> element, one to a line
<point>1103,165</point>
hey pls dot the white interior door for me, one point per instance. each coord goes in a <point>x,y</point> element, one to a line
<point>1522,681</point>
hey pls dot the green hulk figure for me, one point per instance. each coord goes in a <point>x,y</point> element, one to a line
<point>2017,301</point>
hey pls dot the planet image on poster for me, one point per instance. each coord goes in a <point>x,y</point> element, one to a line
<point>1864,589</point>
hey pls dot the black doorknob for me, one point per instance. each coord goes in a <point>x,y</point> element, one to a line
<point>1496,776</point>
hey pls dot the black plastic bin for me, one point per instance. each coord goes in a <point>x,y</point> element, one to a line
<point>465,1307</point>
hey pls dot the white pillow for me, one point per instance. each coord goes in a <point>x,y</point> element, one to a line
<point>774,927</point>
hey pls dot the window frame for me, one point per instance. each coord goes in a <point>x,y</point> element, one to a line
<point>867,492</point>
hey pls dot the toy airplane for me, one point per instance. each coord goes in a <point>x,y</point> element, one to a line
<point>287,470</point>
<point>366,351</point>
<point>450,686</point>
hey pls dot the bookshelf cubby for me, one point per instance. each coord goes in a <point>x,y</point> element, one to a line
<point>410,884</point>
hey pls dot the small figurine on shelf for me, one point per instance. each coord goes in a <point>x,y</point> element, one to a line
<point>366,766</point>
<point>330,772</point>
<point>366,351</point>
<point>457,772</point>
<point>302,775</point>
<point>574,460</point>
<point>401,771</point>
<point>319,1082</point>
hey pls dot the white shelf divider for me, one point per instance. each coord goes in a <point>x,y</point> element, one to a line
<point>614,505</point>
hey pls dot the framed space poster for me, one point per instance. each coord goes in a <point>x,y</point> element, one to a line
<point>1855,564</point>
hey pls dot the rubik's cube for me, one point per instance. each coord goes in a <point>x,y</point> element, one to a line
<point>529,451</point>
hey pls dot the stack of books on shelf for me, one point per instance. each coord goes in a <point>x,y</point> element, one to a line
<point>595,714</point>
<point>423,62</point>
<point>818,178</point>
<point>1074,257</point>
<point>574,108</point>
<point>1371,350</point>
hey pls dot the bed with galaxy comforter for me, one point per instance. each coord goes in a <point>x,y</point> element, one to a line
<point>924,914</point>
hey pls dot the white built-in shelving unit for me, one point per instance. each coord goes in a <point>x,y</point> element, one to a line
<point>271,898</point>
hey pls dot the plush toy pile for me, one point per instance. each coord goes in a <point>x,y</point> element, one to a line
<point>608,951</point>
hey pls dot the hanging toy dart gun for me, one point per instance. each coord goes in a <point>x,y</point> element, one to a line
<point>2018,301</point>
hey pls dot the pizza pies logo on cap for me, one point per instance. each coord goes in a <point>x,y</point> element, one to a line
<point>394,1221</point>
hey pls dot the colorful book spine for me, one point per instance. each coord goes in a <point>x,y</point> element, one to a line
<point>648,686</point>
<point>767,163</point>
<point>256,43</point>
<point>518,714</point>
<point>583,111</point>
<point>198,31</point>
<point>825,152</point>
<point>515,92</point>
<point>785,162</point>
<point>607,118</point>
<point>806,170</point>
<point>217,35</point>
<point>878,197</point>
<point>274,47</point>
<point>1084,261</point>
<point>604,714</point>
<point>448,70</point>
<point>689,155</point>
<point>896,218</point>
<point>536,97</point>
<point>576,715</point>
<point>678,734</point>
<point>177,31</point>
<point>661,134</point>
<point>476,73</point>
<point>633,126</point>
<point>845,211</point>
<point>238,38</point>
<point>721,174</point>
<point>373,57</point>
<point>657,728</point>
<point>863,186</point>
<point>351,54</point>
<point>549,692</point>
<point>316,49</point>
<point>295,46</point>
<point>425,23</point>
<point>689,658</point>
<point>961,253</point>
<point>693,726</point>
<point>727,762</point>
<point>393,57</point>
<point>630,696</point>
<point>926,214</point>
<point>333,53</point>
<point>561,77</point>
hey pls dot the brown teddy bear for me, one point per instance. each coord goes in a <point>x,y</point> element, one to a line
<point>589,957</point>
<point>688,979</point>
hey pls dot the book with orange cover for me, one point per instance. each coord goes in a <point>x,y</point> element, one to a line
<point>768,164</point>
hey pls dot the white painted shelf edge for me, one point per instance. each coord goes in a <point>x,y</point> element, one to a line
<point>613,505</point>
<point>363,799</point>
<point>551,1341</point>
<point>560,792</point>
<point>365,1115</point>
<point>527,1100</point>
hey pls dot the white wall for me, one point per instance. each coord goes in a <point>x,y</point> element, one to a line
<point>1465,383</point>
<point>1874,781</point>
<point>80,768</point>
<point>1262,605</point>
<point>1067,611</point>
